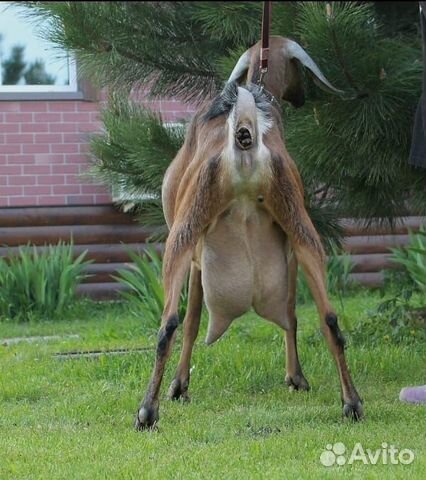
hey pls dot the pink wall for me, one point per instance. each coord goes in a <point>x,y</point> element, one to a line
<point>43,150</point>
<point>170,110</point>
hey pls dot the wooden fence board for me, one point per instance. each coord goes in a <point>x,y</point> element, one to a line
<point>373,262</point>
<point>100,291</point>
<point>81,234</point>
<point>368,279</point>
<point>374,244</point>
<point>403,225</point>
<point>102,272</point>
<point>109,253</point>
<point>68,215</point>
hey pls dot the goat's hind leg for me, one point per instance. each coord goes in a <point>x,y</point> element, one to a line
<point>314,268</point>
<point>294,376</point>
<point>147,415</point>
<point>179,387</point>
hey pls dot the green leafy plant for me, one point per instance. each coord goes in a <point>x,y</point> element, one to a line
<point>413,258</point>
<point>394,320</point>
<point>135,163</point>
<point>144,284</point>
<point>401,316</point>
<point>35,284</point>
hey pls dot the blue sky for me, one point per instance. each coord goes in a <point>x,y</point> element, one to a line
<point>15,30</point>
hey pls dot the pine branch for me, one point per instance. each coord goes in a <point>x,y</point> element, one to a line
<point>134,153</point>
<point>339,53</point>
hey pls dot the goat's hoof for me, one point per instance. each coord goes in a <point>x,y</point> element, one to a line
<point>146,418</point>
<point>353,410</point>
<point>297,382</point>
<point>178,390</point>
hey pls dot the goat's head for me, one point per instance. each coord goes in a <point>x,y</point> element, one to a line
<point>284,77</point>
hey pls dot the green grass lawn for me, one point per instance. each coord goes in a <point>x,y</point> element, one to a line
<point>73,418</point>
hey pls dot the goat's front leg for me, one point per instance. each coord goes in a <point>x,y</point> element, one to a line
<point>202,200</point>
<point>286,204</point>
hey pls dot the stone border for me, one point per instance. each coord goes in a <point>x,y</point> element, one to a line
<point>5,342</point>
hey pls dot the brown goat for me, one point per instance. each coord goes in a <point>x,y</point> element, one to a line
<point>233,201</point>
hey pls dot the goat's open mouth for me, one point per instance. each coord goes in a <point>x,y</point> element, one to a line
<point>243,138</point>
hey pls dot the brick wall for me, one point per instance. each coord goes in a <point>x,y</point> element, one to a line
<point>171,110</point>
<point>44,146</point>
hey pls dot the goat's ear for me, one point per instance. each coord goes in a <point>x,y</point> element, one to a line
<point>240,70</point>
<point>294,50</point>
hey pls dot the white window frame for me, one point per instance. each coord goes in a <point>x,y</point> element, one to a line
<point>72,87</point>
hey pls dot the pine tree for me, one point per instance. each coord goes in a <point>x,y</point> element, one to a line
<point>352,150</point>
<point>35,74</point>
<point>14,66</point>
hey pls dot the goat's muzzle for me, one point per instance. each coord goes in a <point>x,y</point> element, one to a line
<point>243,138</point>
